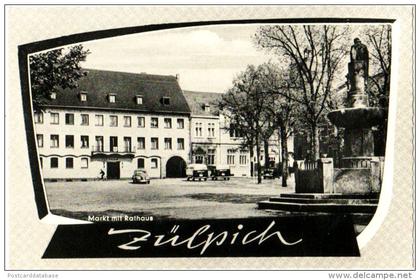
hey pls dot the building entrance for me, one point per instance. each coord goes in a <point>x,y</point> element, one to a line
<point>175,167</point>
<point>113,170</point>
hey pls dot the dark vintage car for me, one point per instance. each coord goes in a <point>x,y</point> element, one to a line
<point>221,172</point>
<point>271,173</point>
<point>140,176</point>
<point>197,171</point>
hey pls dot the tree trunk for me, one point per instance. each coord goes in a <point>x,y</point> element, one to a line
<point>258,161</point>
<point>251,155</point>
<point>315,142</point>
<point>266,156</point>
<point>284,157</point>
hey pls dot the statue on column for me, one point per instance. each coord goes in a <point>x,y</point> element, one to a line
<point>359,52</point>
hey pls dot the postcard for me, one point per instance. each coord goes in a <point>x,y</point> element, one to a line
<point>209,137</point>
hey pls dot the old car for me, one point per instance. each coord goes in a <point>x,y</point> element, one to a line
<point>271,173</point>
<point>197,171</point>
<point>140,176</point>
<point>222,172</point>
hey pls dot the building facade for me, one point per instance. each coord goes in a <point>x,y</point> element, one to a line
<point>115,122</point>
<point>118,122</point>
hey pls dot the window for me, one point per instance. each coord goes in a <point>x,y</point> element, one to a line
<point>40,140</point>
<point>99,144</point>
<point>127,144</point>
<point>69,141</point>
<point>140,163</point>
<point>198,129</point>
<point>155,143</point>
<point>165,100</point>
<point>233,132</point>
<point>154,163</point>
<point>54,162</point>
<point>211,129</point>
<point>83,96</point>
<point>69,162</point>
<point>199,159</point>
<point>111,98</point>
<point>54,118</point>
<point>231,157</point>
<point>141,143</point>
<point>210,156</point>
<point>84,162</point>
<point>168,143</point>
<point>154,123</point>
<point>69,119</point>
<point>206,108</point>
<point>243,158</point>
<point>41,162</point>
<point>84,139</point>
<point>99,120</point>
<point>180,142</point>
<point>168,122</point>
<point>180,123</point>
<point>39,117</point>
<point>54,141</point>
<point>113,120</point>
<point>139,100</point>
<point>127,121</point>
<point>85,119</point>
<point>140,122</point>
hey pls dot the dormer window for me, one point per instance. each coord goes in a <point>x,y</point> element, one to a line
<point>206,108</point>
<point>53,95</point>
<point>139,99</point>
<point>83,96</point>
<point>165,100</point>
<point>111,98</point>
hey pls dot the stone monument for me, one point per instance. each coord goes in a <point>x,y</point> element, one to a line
<point>353,184</point>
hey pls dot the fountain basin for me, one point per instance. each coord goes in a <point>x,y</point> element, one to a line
<point>364,117</point>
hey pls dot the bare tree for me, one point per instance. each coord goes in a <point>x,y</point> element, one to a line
<point>314,54</point>
<point>380,45</point>
<point>244,105</point>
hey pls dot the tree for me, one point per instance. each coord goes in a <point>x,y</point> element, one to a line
<point>314,54</point>
<point>281,108</point>
<point>55,69</point>
<point>244,106</point>
<point>380,45</point>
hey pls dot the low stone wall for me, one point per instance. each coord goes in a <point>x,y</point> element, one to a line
<point>322,177</point>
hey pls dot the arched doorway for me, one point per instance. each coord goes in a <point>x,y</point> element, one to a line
<point>175,167</point>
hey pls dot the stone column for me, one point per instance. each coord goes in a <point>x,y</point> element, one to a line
<point>326,174</point>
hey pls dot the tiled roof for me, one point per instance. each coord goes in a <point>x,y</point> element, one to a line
<point>126,86</point>
<point>197,101</point>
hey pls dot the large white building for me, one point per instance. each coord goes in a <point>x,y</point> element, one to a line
<point>115,122</point>
<point>118,122</point>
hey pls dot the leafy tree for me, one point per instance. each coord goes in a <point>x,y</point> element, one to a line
<point>51,70</point>
<point>314,54</point>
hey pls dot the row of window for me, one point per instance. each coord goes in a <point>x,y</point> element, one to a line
<point>112,98</point>
<point>69,162</point>
<point>113,120</point>
<point>211,128</point>
<point>84,163</point>
<point>209,158</point>
<point>113,142</point>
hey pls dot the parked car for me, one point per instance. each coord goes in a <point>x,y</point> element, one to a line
<point>197,171</point>
<point>222,172</point>
<point>271,173</point>
<point>140,176</point>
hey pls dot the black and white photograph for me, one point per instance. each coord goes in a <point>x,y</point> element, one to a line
<point>250,137</point>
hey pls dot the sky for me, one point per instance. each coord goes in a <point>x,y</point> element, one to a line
<point>206,58</point>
